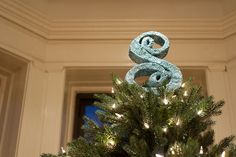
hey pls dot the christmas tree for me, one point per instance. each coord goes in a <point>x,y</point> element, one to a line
<point>162,117</point>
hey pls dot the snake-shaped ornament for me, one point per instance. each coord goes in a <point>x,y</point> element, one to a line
<point>151,63</point>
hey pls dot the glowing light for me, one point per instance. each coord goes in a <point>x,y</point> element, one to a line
<point>183,85</point>
<point>146,125</point>
<point>185,93</point>
<point>112,90</point>
<point>110,143</point>
<point>118,115</point>
<point>199,112</point>
<point>178,122</point>
<point>141,96</point>
<point>159,155</point>
<point>165,129</point>
<point>201,150</point>
<point>165,101</point>
<point>173,152</point>
<point>63,150</point>
<point>113,105</point>
<point>223,154</point>
<point>118,81</point>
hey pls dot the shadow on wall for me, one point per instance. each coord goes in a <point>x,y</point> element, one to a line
<point>13,71</point>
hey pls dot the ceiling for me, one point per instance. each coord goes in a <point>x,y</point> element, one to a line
<point>131,9</point>
<point>112,19</point>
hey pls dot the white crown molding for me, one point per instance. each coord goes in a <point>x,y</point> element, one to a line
<point>217,67</point>
<point>36,22</point>
<point>24,16</point>
<point>229,24</point>
<point>127,28</point>
<point>57,67</point>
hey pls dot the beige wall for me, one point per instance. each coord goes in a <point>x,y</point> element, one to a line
<point>13,72</point>
<point>217,84</point>
<point>115,52</point>
<point>20,41</point>
<point>41,120</point>
<point>54,36</point>
<point>231,68</point>
<point>232,88</point>
<point>230,48</point>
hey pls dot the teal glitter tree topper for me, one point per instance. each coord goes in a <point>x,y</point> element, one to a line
<point>151,63</point>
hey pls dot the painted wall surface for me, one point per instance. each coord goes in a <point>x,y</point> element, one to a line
<point>20,41</point>
<point>116,52</point>
<point>217,84</point>
<point>13,112</point>
<point>53,110</point>
<point>230,48</point>
<point>13,72</point>
<point>232,87</point>
<point>231,68</point>
<point>30,135</point>
<point>231,76</point>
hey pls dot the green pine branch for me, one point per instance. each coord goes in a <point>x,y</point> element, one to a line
<point>138,122</point>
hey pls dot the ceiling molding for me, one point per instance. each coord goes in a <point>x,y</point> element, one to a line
<point>24,16</point>
<point>229,24</point>
<point>36,22</point>
<point>128,28</point>
<point>50,66</point>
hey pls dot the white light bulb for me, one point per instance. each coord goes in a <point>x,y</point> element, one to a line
<point>178,122</point>
<point>112,90</point>
<point>201,150</point>
<point>118,81</point>
<point>159,155</point>
<point>223,154</point>
<point>185,93</point>
<point>114,105</point>
<point>63,150</point>
<point>165,129</point>
<point>165,101</point>
<point>118,115</point>
<point>110,143</point>
<point>146,125</point>
<point>183,85</point>
<point>199,112</point>
<point>173,152</point>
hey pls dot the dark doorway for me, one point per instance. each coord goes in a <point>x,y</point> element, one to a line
<point>84,107</point>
